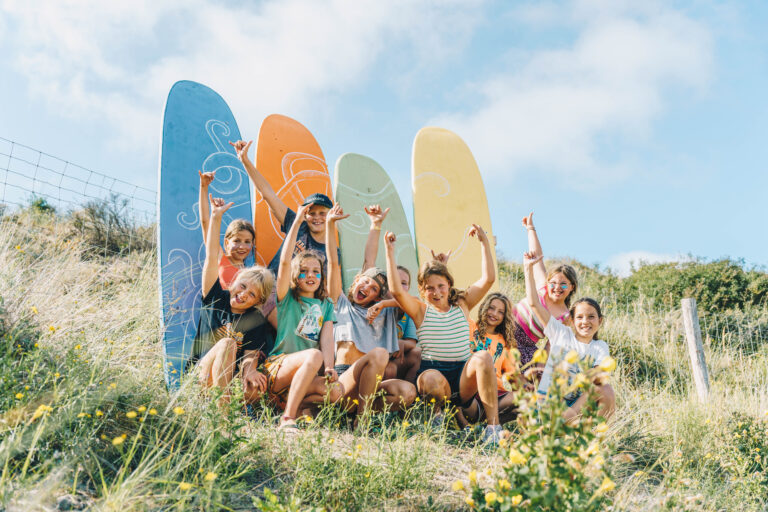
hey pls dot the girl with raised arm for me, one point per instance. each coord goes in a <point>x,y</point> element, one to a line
<point>586,318</point>
<point>304,343</point>
<point>362,347</point>
<point>448,366</point>
<point>232,333</point>
<point>555,290</point>
<point>239,238</point>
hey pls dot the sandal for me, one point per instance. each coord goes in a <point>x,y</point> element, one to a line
<point>288,425</point>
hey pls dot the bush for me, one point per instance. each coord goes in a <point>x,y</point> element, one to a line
<point>106,226</point>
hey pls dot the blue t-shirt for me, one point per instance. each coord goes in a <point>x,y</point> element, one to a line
<point>406,329</point>
<point>304,241</point>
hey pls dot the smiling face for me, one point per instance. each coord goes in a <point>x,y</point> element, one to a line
<point>315,218</point>
<point>364,291</point>
<point>436,290</point>
<point>308,277</point>
<point>243,295</point>
<point>559,287</point>
<point>586,321</point>
<point>495,314</point>
<point>238,245</point>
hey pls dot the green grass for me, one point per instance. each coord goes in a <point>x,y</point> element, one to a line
<point>81,331</point>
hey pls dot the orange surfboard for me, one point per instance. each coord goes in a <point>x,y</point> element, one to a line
<point>290,158</point>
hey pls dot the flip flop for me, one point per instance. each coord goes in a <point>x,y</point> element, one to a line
<point>288,426</point>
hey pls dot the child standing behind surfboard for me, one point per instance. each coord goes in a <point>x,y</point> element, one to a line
<point>311,231</point>
<point>239,237</point>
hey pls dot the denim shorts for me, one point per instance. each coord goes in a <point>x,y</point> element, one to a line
<point>451,370</point>
<point>341,368</point>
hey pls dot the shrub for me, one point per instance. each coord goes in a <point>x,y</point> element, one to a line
<point>106,226</point>
<point>550,464</point>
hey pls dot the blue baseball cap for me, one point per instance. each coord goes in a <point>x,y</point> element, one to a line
<point>318,199</point>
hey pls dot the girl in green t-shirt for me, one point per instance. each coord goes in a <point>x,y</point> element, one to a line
<point>304,342</point>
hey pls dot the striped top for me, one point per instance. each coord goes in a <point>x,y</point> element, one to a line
<point>528,322</point>
<point>444,336</point>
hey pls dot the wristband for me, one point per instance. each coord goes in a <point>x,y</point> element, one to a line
<point>377,228</point>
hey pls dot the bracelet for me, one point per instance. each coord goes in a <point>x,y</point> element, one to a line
<point>377,228</point>
<point>531,229</point>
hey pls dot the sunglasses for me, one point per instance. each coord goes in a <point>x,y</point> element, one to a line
<point>303,275</point>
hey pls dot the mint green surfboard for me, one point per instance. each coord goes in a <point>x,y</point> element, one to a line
<point>359,181</point>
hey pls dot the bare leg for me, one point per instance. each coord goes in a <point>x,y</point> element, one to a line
<point>432,385</point>
<point>398,394</point>
<point>412,363</point>
<point>606,400</point>
<point>297,371</point>
<point>362,378</point>
<point>479,376</point>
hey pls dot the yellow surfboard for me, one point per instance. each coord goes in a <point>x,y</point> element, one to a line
<point>448,197</point>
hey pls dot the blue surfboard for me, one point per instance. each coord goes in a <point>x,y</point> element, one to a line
<point>197,128</point>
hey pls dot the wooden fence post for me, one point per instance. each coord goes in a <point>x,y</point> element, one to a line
<point>695,348</point>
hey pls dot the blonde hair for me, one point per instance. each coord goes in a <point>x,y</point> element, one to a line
<point>296,270</point>
<point>261,277</point>
<point>435,268</point>
<point>570,274</point>
<point>506,327</point>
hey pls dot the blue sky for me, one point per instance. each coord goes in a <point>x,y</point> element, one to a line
<point>632,129</point>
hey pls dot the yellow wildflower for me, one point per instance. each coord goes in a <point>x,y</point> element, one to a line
<point>19,396</point>
<point>608,364</point>
<point>99,413</point>
<point>472,477</point>
<point>607,485</point>
<point>515,457</point>
<point>331,441</point>
<point>601,428</point>
<point>112,385</point>
<point>210,476</point>
<point>359,447</point>
<point>26,388</point>
<point>52,328</point>
<point>41,409</point>
<point>142,408</point>
<point>118,440</point>
<point>405,424</point>
<point>57,375</point>
<point>571,357</point>
<point>540,356</point>
<point>516,499</point>
<point>490,497</point>
<point>34,309</point>
<point>458,485</point>
<point>355,402</point>
<point>185,486</point>
<point>152,411</point>
<point>130,414</point>
<point>432,401</point>
<point>504,484</point>
<point>81,415</point>
<point>78,347</point>
<point>469,501</point>
<point>178,411</point>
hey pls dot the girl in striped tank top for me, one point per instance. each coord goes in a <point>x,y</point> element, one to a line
<point>448,366</point>
<point>555,288</point>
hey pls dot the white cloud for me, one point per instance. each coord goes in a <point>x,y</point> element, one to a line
<point>623,263</point>
<point>552,110</point>
<point>117,60</point>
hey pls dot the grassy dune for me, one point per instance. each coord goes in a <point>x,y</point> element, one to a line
<point>85,421</point>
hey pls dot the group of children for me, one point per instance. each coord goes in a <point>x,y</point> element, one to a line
<point>295,335</point>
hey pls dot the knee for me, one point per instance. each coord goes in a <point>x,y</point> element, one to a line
<point>225,346</point>
<point>407,393</point>
<point>607,396</point>
<point>379,357</point>
<point>314,359</point>
<point>390,372</point>
<point>483,360</point>
<point>430,383</point>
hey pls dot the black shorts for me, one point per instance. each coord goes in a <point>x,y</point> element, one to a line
<point>451,370</point>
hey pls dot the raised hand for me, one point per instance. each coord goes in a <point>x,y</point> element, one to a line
<point>528,222</point>
<point>441,257</point>
<point>477,231</point>
<point>531,257</point>
<point>218,205</point>
<point>376,214</point>
<point>335,214</point>
<point>206,178</point>
<point>389,239</point>
<point>241,147</point>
